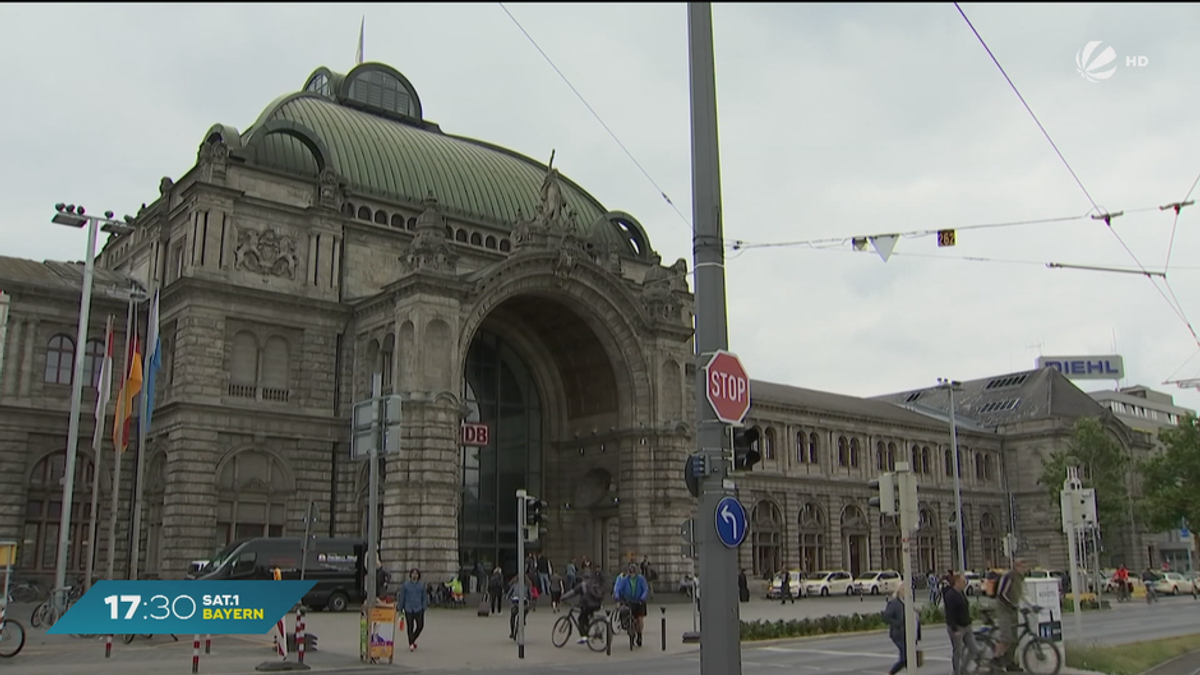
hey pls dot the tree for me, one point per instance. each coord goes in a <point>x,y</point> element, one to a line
<point>1171,479</point>
<point>1103,465</point>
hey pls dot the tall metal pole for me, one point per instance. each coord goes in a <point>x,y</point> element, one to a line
<point>116,486</point>
<point>1070,525</point>
<point>909,520</point>
<point>373,494</point>
<point>68,493</point>
<point>139,466</point>
<point>720,637</point>
<point>520,618</point>
<point>958,506</point>
<point>97,468</point>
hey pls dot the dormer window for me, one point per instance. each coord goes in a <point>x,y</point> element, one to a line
<point>378,89</point>
<point>319,84</point>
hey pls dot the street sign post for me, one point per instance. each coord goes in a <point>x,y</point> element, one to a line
<point>727,387</point>
<point>731,522</point>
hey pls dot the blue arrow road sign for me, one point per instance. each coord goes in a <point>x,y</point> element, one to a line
<point>731,522</point>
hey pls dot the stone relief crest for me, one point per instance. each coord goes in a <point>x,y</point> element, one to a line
<point>661,286</point>
<point>329,191</point>
<point>430,248</point>
<point>213,155</point>
<point>266,252</point>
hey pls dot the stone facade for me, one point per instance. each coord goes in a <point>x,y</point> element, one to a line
<point>282,292</point>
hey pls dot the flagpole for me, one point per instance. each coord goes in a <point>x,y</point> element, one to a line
<point>146,405</point>
<point>97,455</point>
<point>117,441</point>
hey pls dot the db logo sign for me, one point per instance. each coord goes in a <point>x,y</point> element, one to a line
<point>474,433</point>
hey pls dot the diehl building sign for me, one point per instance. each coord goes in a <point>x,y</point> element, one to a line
<point>1086,367</point>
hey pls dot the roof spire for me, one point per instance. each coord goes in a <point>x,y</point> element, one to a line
<point>358,55</point>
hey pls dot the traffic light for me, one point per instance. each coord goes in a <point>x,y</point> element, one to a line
<point>534,518</point>
<point>887,500</point>
<point>745,454</point>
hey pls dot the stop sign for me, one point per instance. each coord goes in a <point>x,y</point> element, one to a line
<point>727,387</point>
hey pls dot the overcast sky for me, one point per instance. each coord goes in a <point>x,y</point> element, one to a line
<point>836,121</point>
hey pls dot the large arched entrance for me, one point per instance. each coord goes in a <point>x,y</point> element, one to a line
<point>499,391</point>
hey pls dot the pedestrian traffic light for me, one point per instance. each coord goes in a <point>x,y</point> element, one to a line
<point>745,449</point>
<point>887,501</point>
<point>533,511</point>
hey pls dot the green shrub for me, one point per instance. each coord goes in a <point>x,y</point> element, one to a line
<point>826,625</point>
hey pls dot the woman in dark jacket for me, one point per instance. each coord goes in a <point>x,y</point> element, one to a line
<point>893,616</point>
<point>495,589</point>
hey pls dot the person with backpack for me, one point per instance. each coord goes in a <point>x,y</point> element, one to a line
<point>633,589</point>
<point>591,597</point>
<point>893,616</point>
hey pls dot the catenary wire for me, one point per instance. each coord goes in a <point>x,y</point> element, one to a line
<point>1101,214</point>
<point>661,192</point>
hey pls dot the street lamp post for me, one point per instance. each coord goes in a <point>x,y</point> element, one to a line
<point>952,386</point>
<point>76,216</point>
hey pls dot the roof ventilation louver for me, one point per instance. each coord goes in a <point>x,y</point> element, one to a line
<point>1000,406</point>
<point>1003,382</point>
<point>913,396</point>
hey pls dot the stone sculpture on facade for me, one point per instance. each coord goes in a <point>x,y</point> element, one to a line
<point>430,249</point>
<point>213,157</point>
<point>330,193</point>
<point>659,288</point>
<point>266,252</point>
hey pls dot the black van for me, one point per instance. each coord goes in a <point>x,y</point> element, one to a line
<point>336,564</point>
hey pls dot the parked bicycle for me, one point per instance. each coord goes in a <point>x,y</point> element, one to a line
<point>599,630</point>
<point>1038,654</point>
<point>26,591</point>
<point>46,614</point>
<point>620,619</point>
<point>12,637</point>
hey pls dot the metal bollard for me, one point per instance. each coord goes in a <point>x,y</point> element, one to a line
<point>664,627</point>
<point>300,638</point>
<point>107,646</point>
<point>207,644</point>
<point>196,654</point>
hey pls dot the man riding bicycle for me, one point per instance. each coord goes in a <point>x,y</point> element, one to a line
<point>1009,592</point>
<point>591,597</point>
<point>632,589</point>
<point>1121,578</point>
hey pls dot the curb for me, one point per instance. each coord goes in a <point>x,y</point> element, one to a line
<point>1172,661</point>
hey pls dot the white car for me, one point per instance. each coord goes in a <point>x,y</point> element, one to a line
<point>974,583</point>
<point>877,582</point>
<point>829,583</point>
<point>1173,583</point>
<point>795,583</point>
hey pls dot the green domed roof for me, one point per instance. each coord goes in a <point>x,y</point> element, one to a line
<point>367,127</point>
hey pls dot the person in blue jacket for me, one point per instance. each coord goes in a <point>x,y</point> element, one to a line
<point>632,589</point>
<point>413,600</point>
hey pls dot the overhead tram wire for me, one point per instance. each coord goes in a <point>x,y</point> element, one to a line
<point>662,193</point>
<point>1101,214</point>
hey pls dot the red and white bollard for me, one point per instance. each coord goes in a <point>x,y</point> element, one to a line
<point>281,639</point>
<point>196,654</point>
<point>207,644</point>
<point>300,638</point>
<point>107,646</point>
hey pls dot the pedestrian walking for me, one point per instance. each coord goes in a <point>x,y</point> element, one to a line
<point>414,601</point>
<point>556,590</point>
<point>963,649</point>
<point>496,590</point>
<point>544,570</point>
<point>893,616</point>
<point>572,574</point>
<point>743,587</point>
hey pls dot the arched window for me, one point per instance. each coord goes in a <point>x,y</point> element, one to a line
<point>948,460</point>
<point>398,221</point>
<point>989,539</point>
<point>348,209</point>
<point>93,361</point>
<point>854,452</point>
<point>812,537</point>
<point>476,240</point>
<point>925,467</point>
<point>364,213</point>
<point>253,489</point>
<point>275,363</point>
<point>880,456</point>
<point>43,513</point>
<point>769,444</point>
<point>767,537</point>
<point>411,223</point>
<point>987,467</point>
<point>490,242</point>
<point>371,365</point>
<point>890,544</point>
<point>387,354</point>
<point>814,447</point>
<point>891,456</point>
<point>460,235</point>
<point>801,447</point>
<point>243,366</point>
<point>505,245</point>
<point>843,459</point>
<point>258,373</point>
<point>60,359</point>
<point>926,541</point>
<point>916,459</point>
<point>856,541</point>
<point>979,467</point>
<point>381,218</point>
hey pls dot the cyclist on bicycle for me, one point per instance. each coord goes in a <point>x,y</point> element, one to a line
<point>591,597</point>
<point>1121,578</point>
<point>1009,593</point>
<point>632,589</point>
<point>1150,580</point>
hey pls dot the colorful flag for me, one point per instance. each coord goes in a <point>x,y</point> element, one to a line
<point>153,363</point>
<point>104,386</point>
<point>129,390</point>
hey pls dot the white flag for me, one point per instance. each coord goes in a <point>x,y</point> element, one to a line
<point>104,386</point>
<point>885,244</point>
<point>358,55</point>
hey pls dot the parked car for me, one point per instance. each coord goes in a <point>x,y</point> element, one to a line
<point>974,583</point>
<point>829,583</point>
<point>1173,583</point>
<point>877,582</point>
<point>795,583</point>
